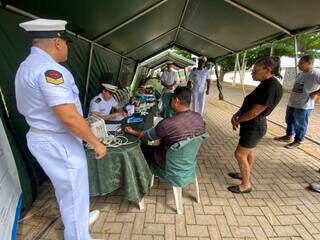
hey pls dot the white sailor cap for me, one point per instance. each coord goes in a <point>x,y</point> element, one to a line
<point>203,58</point>
<point>45,28</point>
<point>110,87</point>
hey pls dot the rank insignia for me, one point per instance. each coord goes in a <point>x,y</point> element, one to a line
<point>54,77</point>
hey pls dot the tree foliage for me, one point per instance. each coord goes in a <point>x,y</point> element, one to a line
<point>307,44</point>
<point>183,53</point>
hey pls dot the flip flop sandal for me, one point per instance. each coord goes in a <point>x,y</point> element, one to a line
<point>235,175</point>
<point>236,189</point>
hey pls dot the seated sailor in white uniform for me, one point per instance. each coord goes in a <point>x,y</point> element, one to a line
<point>105,106</point>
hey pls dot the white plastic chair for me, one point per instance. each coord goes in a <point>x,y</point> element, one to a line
<point>177,192</point>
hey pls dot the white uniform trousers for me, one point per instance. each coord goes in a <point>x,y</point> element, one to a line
<point>62,157</point>
<point>198,101</point>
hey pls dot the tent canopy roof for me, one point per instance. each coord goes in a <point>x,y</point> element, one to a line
<point>138,28</point>
<point>163,58</point>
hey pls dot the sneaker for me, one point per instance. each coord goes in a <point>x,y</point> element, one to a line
<point>93,216</point>
<point>284,138</point>
<point>294,144</point>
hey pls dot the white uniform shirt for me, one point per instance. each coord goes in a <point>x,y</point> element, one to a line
<point>168,78</point>
<point>40,84</point>
<point>103,107</point>
<point>199,79</point>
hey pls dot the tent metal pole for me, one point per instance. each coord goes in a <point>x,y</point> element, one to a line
<point>143,45</point>
<point>235,69</point>
<point>135,78</point>
<point>29,15</point>
<point>208,40</point>
<point>243,72</point>
<point>178,75</point>
<point>130,20</point>
<point>295,54</point>
<point>88,76</point>
<point>181,19</point>
<point>239,67</point>
<point>272,49</point>
<point>185,74</point>
<point>119,72</point>
<point>20,12</point>
<point>152,72</point>
<point>259,16</point>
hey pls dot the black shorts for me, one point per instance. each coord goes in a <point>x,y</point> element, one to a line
<point>250,135</point>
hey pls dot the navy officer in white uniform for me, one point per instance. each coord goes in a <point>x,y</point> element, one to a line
<point>103,104</point>
<point>47,96</point>
<point>199,80</point>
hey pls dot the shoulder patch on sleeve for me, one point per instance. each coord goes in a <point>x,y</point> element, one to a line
<point>54,77</point>
<point>98,100</point>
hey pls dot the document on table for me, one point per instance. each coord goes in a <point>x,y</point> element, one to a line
<point>113,127</point>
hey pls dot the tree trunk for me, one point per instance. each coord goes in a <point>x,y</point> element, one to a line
<point>219,86</point>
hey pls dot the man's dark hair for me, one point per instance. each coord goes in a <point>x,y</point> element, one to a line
<point>307,58</point>
<point>184,94</point>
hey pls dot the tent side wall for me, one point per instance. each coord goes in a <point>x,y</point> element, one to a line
<point>104,68</point>
<point>140,75</point>
<point>14,47</point>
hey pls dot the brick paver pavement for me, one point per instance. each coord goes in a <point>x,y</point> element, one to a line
<point>280,207</point>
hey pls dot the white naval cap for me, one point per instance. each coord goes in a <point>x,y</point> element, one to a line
<point>45,28</point>
<point>110,87</point>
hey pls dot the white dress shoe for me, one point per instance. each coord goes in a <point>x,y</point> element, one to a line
<point>93,216</point>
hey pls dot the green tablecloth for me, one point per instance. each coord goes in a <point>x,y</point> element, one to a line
<point>122,167</point>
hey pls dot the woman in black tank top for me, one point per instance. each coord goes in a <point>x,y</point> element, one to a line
<point>252,118</point>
